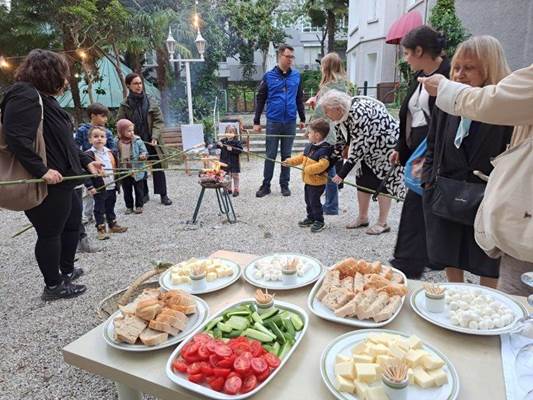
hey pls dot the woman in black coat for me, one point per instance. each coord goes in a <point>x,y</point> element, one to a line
<point>41,76</point>
<point>456,148</point>
<point>423,52</point>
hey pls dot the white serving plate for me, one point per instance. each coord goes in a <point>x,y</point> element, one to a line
<point>316,270</point>
<point>320,310</point>
<point>166,282</point>
<point>195,320</point>
<point>181,380</point>
<point>441,319</point>
<point>343,345</point>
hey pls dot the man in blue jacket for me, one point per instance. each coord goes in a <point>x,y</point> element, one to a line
<point>281,90</point>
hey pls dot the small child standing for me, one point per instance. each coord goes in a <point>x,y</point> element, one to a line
<point>230,151</point>
<point>104,198</point>
<point>315,163</point>
<point>132,152</point>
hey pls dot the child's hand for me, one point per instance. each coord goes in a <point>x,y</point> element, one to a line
<point>337,179</point>
<point>143,157</point>
<point>285,164</point>
<point>92,191</point>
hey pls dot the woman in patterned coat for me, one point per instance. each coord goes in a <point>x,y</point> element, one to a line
<point>365,125</point>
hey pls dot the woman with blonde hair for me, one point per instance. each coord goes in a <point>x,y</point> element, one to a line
<point>333,77</point>
<point>456,148</point>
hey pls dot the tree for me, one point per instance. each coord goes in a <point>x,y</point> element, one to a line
<point>444,19</point>
<point>326,13</point>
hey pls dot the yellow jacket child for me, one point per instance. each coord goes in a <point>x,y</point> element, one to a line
<point>314,161</point>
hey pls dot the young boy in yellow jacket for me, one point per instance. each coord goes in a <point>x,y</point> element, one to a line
<point>315,163</point>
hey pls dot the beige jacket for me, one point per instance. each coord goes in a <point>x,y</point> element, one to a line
<point>510,102</point>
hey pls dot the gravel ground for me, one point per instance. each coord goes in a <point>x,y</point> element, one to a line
<point>33,332</point>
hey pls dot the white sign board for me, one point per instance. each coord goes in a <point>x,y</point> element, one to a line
<point>192,135</point>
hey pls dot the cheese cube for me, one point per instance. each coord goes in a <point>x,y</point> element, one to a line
<point>211,276</point>
<point>360,389</point>
<point>414,357</point>
<point>339,358</point>
<point>414,342</point>
<point>383,360</point>
<point>376,393</point>
<point>211,268</point>
<point>374,337</point>
<point>422,378</point>
<point>363,358</point>
<point>377,349</point>
<point>411,376</point>
<point>403,344</point>
<point>432,362</point>
<point>345,369</point>
<point>366,373</point>
<point>344,385</point>
<point>397,351</point>
<point>439,376</point>
<point>180,279</point>
<point>360,348</point>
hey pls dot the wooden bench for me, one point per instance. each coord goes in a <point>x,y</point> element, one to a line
<point>172,138</point>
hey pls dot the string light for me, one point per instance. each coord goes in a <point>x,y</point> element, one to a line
<point>82,54</point>
<point>3,63</point>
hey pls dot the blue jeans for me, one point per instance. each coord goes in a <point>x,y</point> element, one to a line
<point>331,205</point>
<point>285,144</point>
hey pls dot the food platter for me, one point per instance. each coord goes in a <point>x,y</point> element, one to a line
<point>166,281</point>
<point>194,321</point>
<point>443,320</point>
<point>313,269</point>
<point>343,346</point>
<point>202,388</point>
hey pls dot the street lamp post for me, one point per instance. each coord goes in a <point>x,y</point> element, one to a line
<point>200,46</point>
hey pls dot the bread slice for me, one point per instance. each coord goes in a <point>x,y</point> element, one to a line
<point>386,272</point>
<point>128,309</point>
<point>377,305</point>
<point>350,308</point>
<point>337,297</point>
<point>331,280</point>
<point>181,318</point>
<point>163,327</point>
<point>394,303</point>
<point>128,328</point>
<point>149,337</point>
<point>358,282</point>
<point>347,283</point>
<point>397,278</point>
<point>370,295</point>
<point>147,313</point>
<point>376,267</point>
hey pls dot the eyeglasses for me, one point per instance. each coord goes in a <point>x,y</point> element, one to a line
<point>289,56</point>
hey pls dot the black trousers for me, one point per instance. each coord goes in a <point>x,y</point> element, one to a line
<point>104,206</point>
<point>129,186</point>
<point>79,194</point>
<point>312,201</point>
<point>160,180</point>
<point>57,223</point>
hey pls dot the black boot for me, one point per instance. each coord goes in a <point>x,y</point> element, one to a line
<point>165,200</point>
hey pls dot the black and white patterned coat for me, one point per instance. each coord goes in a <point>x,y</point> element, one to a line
<point>372,133</point>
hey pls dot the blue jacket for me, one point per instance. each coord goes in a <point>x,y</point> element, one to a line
<point>283,95</point>
<point>138,148</point>
<point>82,138</point>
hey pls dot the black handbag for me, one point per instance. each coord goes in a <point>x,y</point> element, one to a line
<point>455,200</point>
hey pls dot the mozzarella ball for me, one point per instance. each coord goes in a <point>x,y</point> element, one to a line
<point>473,325</point>
<point>454,320</point>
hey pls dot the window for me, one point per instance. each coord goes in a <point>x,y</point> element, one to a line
<point>372,10</point>
<point>371,65</point>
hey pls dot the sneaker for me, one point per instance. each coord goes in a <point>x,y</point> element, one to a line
<point>114,227</point>
<point>285,191</point>
<point>263,191</point>
<point>138,210</point>
<point>235,193</point>
<point>65,290</point>
<point>129,211</point>
<point>165,200</point>
<point>85,246</point>
<point>317,226</point>
<point>306,223</point>
<point>102,234</point>
<point>75,274</point>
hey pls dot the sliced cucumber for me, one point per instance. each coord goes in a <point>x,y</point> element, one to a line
<point>224,328</point>
<point>238,322</point>
<point>260,327</point>
<point>284,350</point>
<point>257,335</point>
<point>256,317</point>
<point>270,313</point>
<point>289,328</point>
<point>297,322</point>
<point>274,328</point>
<point>212,324</point>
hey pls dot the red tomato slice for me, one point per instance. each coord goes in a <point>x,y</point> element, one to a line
<point>226,362</point>
<point>207,370</point>
<point>213,360</point>
<point>272,360</point>
<point>201,338</point>
<point>194,368</point>
<point>197,378</point>
<point>264,375</point>
<point>249,384</point>
<point>248,355</point>
<point>223,372</point>
<point>239,347</point>
<point>233,373</point>
<point>192,349</point>
<point>223,350</point>
<point>211,346</point>
<point>191,359</point>
<point>241,365</point>
<point>259,365</point>
<point>179,366</point>
<point>256,348</point>
<point>233,385</point>
<point>204,352</point>
<point>217,383</point>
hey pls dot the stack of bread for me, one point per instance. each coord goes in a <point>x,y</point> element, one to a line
<point>153,316</point>
<point>357,288</point>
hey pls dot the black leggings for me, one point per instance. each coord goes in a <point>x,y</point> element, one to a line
<point>57,223</point>
<point>160,181</point>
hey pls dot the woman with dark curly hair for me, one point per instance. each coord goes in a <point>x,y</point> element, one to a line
<point>40,77</point>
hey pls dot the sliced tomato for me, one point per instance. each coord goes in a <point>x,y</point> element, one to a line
<point>201,338</point>
<point>194,368</point>
<point>211,346</point>
<point>256,348</point>
<point>240,347</point>
<point>223,372</point>
<point>239,339</point>
<point>259,365</point>
<point>191,359</point>
<point>226,362</point>
<point>247,354</point>
<point>179,365</point>
<point>196,378</point>
<point>192,349</point>
<point>233,373</point>
<point>233,385</point>
<point>204,352</point>
<point>272,360</point>
<point>207,370</point>
<point>241,365</point>
<point>249,384</point>
<point>264,375</point>
<point>223,350</point>
<point>217,383</point>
